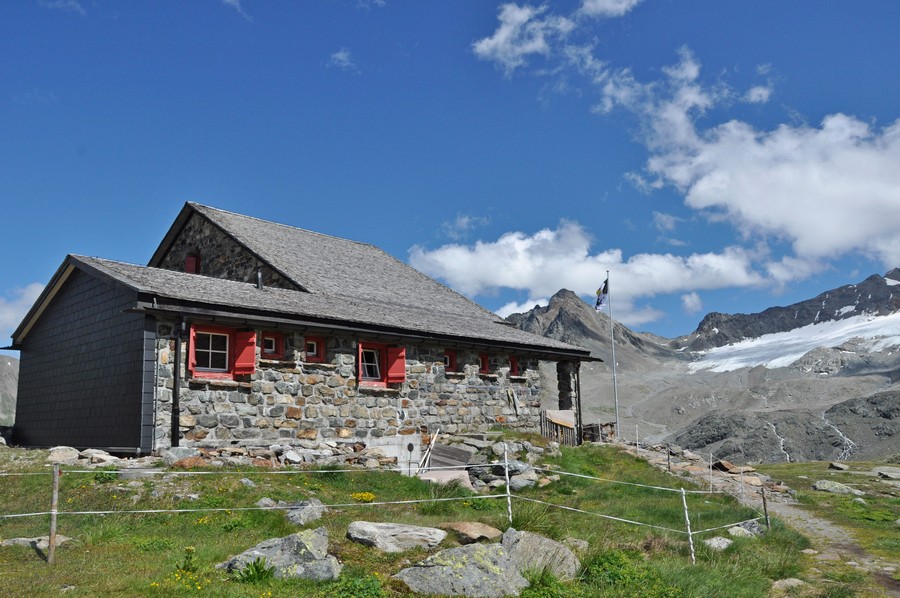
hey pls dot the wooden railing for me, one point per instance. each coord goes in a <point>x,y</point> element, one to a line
<point>561,433</point>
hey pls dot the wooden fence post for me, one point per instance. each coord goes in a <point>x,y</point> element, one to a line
<point>687,522</point>
<point>54,503</point>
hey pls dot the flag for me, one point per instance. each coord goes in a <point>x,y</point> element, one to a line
<point>602,292</point>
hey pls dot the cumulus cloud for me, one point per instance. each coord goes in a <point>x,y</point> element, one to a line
<point>758,94</point>
<point>692,303</point>
<point>550,259</point>
<point>14,308</point>
<point>665,222</point>
<point>523,32</point>
<point>342,59</point>
<point>518,308</point>
<point>828,190</point>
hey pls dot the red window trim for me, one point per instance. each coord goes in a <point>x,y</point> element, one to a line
<point>241,352</point>
<point>192,263</point>
<point>484,364</point>
<point>319,357</point>
<point>513,366</point>
<point>278,353</point>
<point>449,361</point>
<point>391,364</point>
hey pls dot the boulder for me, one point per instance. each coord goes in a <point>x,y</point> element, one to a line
<point>533,552</point>
<point>39,542</point>
<point>718,543</point>
<point>445,476</point>
<point>301,555</point>
<point>305,511</point>
<point>886,472</point>
<point>838,466</point>
<point>98,456</point>
<point>478,570</point>
<point>740,532</point>
<point>177,453</point>
<point>394,537</point>
<point>63,454</point>
<point>469,532</point>
<point>523,480</point>
<point>836,488</point>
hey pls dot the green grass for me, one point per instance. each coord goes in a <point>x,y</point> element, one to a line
<point>872,524</point>
<point>144,554</point>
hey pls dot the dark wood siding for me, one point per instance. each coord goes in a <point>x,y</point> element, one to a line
<point>83,370</point>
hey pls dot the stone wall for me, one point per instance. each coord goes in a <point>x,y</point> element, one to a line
<point>220,256</point>
<point>294,402</point>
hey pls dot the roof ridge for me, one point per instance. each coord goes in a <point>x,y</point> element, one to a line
<point>196,205</point>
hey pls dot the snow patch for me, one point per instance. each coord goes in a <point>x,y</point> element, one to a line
<point>839,312</point>
<point>891,282</point>
<point>781,349</point>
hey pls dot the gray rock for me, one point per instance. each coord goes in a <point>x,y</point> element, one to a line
<point>248,482</point>
<point>266,503</point>
<point>577,545</point>
<point>478,570</point>
<point>838,466</point>
<point>305,511</point>
<point>523,480</point>
<point>394,537</point>
<point>301,555</point>
<point>740,532</point>
<point>98,456</point>
<point>533,552</point>
<point>889,473</point>
<point>516,467</point>
<point>788,583</point>
<point>836,488</point>
<point>177,453</point>
<point>63,454</point>
<point>39,542</point>
<point>469,532</point>
<point>718,543</point>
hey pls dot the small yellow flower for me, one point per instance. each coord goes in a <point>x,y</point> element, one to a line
<point>363,496</point>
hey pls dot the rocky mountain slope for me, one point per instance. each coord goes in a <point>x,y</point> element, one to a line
<point>822,389</point>
<point>875,296</point>
<point>9,380</point>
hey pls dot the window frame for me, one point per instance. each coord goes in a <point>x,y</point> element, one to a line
<point>390,361</point>
<point>240,355</point>
<point>484,363</point>
<point>450,363</point>
<point>319,355</point>
<point>278,341</point>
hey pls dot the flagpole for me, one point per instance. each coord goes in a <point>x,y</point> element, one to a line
<point>612,340</point>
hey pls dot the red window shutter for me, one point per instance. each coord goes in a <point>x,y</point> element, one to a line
<point>192,264</point>
<point>192,357</point>
<point>484,364</point>
<point>513,366</point>
<point>244,352</point>
<point>396,365</point>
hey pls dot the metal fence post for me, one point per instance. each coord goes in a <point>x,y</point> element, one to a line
<point>506,473</point>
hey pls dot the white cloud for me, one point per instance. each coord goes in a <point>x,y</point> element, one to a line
<point>692,303</point>
<point>827,190</point>
<point>548,260</point>
<point>65,5</point>
<point>758,95</point>
<point>607,8</point>
<point>236,4</point>
<point>523,31</point>
<point>342,59</point>
<point>462,225</point>
<point>518,308</point>
<point>13,309</point>
<point>665,222</point>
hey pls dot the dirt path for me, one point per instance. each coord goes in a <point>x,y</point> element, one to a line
<point>832,543</point>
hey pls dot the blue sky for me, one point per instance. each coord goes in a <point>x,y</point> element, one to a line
<point>713,156</point>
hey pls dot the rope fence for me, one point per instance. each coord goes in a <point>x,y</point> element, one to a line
<point>508,495</point>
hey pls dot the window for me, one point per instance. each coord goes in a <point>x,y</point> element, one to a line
<point>484,364</point>
<point>315,349</point>
<point>218,352</point>
<point>380,365</point>
<point>449,361</point>
<point>513,366</point>
<point>192,263</point>
<point>273,345</point>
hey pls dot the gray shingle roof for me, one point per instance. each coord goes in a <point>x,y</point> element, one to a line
<point>362,311</point>
<point>329,265</point>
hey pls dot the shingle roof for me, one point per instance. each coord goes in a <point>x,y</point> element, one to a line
<point>363,311</point>
<point>329,265</point>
